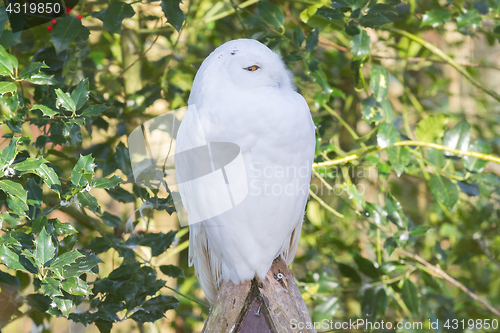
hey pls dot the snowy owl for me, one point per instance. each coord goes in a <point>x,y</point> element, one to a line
<point>244,95</point>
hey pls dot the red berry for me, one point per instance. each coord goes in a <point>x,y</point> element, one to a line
<point>54,22</point>
<point>68,10</point>
<point>49,28</point>
<point>80,16</point>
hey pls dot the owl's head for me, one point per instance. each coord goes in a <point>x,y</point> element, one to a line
<point>244,64</point>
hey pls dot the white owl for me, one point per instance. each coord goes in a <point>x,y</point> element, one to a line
<point>244,94</point>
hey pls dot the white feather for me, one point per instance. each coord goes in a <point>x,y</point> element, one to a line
<point>262,113</point>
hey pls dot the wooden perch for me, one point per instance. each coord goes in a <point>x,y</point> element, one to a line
<point>269,306</point>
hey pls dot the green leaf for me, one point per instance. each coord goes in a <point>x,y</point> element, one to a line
<point>46,111</point>
<point>173,13</point>
<point>10,221</point>
<point>7,87</point>
<point>271,13</point>
<point>62,229</point>
<point>377,213</point>
<point>172,271</point>
<point>159,242</point>
<point>113,16</point>
<point>9,152</point>
<point>9,280</point>
<point>387,135</point>
<point>29,165</point>
<point>65,101</point>
<point>111,220</point>
<point>360,46</point>
<point>38,224</point>
<point>312,40</point>
<point>83,170</point>
<point>444,190</point>
<point>331,14</point>
<point>80,266</point>
<point>81,93</point>
<point>349,272</point>
<point>458,137</point>
<point>32,69</point>
<point>379,82</point>
<point>40,302</point>
<point>372,111</point>
<point>6,65</point>
<point>399,157</point>
<point>76,286</point>
<point>64,305</point>
<point>419,230</point>
<point>367,267</point>
<point>401,238</point>
<point>468,21</point>
<point>88,200</point>
<point>107,182</point>
<point>395,212</point>
<point>42,79</point>
<point>11,259</point>
<point>436,17</point>
<point>13,189</point>
<point>431,127</point>
<point>473,164</point>
<point>17,205</point>
<point>120,194</point>
<point>44,248</point>
<point>298,36</point>
<point>430,281</point>
<point>436,157</point>
<point>390,245</point>
<point>410,297</point>
<point>49,177</point>
<point>65,259</point>
<point>154,309</point>
<point>51,287</point>
<point>35,193</point>
<point>65,32</point>
<point>94,110</point>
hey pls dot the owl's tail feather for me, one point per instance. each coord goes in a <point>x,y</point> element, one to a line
<point>289,248</point>
<point>207,265</point>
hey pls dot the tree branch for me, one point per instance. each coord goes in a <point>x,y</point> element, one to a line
<point>361,152</point>
<point>437,51</point>
<point>445,276</point>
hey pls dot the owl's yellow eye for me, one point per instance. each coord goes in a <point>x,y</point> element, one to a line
<point>252,68</point>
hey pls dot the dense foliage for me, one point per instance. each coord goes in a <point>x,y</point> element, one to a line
<point>402,225</point>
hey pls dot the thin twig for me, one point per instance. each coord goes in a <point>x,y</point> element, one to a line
<point>324,204</point>
<point>445,276</point>
<point>189,298</point>
<point>437,51</point>
<point>361,152</point>
<point>421,59</point>
<point>230,11</point>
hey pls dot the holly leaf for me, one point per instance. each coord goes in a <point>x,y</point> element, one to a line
<point>444,190</point>
<point>65,32</point>
<point>81,93</point>
<point>65,101</point>
<point>360,45</point>
<point>44,248</point>
<point>113,16</point>
<point>173,13</point>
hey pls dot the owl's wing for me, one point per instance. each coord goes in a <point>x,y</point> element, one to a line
<point>208,266</point>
